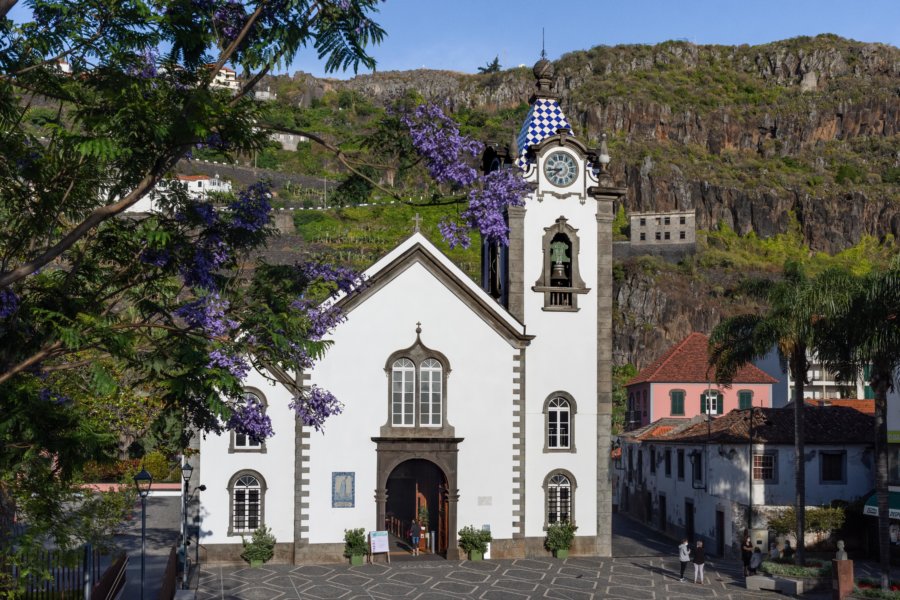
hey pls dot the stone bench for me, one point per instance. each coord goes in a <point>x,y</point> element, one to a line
<point>760,583</point>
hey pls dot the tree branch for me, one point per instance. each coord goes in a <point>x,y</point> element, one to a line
<point>31,361</point>
<point>6,6</point>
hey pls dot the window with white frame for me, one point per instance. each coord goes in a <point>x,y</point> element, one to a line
<point>430,393</point>
<point>559,498</point>
<point>764,467</point>
<point>711,403</point>
<point>247,492</point>
<point>558,415</point>
<point>241,442</point>
<point>403,373</point>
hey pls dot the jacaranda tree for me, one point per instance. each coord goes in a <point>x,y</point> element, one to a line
<point>99,99</point>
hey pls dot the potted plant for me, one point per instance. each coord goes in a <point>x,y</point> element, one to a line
<point>423,522</point>
<point>260,548</point>
<point>355,545</point>
<point>474,541</point>
<point>559,538</point>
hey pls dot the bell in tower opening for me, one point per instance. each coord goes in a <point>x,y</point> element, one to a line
<point>560,275</point>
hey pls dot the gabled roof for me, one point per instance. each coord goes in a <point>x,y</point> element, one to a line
<point>688,362</point>
<point>416,249</point>
<point>662,428</point>
<point>826,425</point>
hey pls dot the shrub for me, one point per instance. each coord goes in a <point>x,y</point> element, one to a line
<point>157,465</point>
<point>260,547</point>
<point>871,588</point>
<point>849,174</point>
<point>813,569</point>
<point>474,540</point>
<point>355,542</point>
<point>560,536</point>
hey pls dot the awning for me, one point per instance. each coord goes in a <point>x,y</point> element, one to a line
<point>871,507</point>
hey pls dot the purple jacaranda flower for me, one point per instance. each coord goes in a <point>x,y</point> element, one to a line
<point>48,395</point>
<point>315,406</point>
<point>322,319</point>
<point>209,254</point>
<point>236,365</point>
<point>436,138</point>
<point>251,210</point>
<point>346,280</point>
<point>251,419</point>
<point>9,303</point>
<point>208,313</point>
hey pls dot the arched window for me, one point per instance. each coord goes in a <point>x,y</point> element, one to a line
<point>559,422</point>
<point>417,392</point>
<point>559,488</point>
<point>241,442</point>
<point>403,373</point>
<point>430,393</point>
<point>247,500</point>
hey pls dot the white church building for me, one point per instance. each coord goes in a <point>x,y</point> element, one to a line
<point>486,405</point>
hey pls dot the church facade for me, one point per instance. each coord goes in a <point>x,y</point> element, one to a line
<point>485,405</point>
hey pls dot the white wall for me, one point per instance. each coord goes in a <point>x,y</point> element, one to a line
<point>276,466</point>
<point>561,357</point>
<point>478,396</point>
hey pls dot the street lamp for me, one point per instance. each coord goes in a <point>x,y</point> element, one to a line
<point>142,481</point>
<point>186,471</point>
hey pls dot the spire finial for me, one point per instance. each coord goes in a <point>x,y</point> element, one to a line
<point>418,221</point>
<point>418,328</point>
<point>543,45</point>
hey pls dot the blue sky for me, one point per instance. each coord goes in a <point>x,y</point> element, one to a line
<point>461,35</point>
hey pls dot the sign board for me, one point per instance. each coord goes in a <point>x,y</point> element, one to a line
<point>380,543</point>
<point>893,437</point>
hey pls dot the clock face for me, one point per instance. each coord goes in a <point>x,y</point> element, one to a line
<point>560,169</point>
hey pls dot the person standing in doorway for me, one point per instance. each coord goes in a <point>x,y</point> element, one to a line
<point>746,554</point>
<point>699,561</point>
<point>414,532</point>
<point>684,556</point>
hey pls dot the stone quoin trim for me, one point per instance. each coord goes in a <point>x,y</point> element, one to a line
<point>301,474</point>
<point>518,444</point>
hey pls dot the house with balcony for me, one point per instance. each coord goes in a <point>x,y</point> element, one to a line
<point>715,478</point>
<point>681,384</point>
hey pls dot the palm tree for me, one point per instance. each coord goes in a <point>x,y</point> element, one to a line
<point>860,329</point>
<point>787,324</point>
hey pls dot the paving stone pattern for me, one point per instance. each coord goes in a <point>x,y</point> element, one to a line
<point>647,578</point>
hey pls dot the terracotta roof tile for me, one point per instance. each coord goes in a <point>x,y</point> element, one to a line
<point>864,406</point>
<point>825,425</point>
<point>688,362</point>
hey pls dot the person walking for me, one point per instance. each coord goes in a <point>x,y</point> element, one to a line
<point>699,560</point>
<point>414,532</point>
<point>746,554</point>
<point>684,556</point>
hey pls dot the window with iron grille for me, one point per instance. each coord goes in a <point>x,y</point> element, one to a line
<point>559,499</point>
<point>246,513</point>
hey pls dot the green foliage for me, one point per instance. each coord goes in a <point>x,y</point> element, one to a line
<point>423,516</point>
<point>814,569</point>
<point>849,174</point>
<point>260,547</point>
<point>819,520</point>
<point>471,539</point>
<point>621,225</point>
<point>355,542</point>
<point>560,536</point>
<point>620,376</point>
<point>158,466</point>
<point>871,588</point>
<point>891,175</point>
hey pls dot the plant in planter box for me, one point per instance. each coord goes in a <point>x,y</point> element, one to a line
<point>260,548</point>
<point>355,546</point>
<point>559,538</point>
<point>474,541</point>
<point>423,516</point>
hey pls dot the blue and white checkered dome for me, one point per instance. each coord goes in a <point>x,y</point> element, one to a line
<point>545,118</point>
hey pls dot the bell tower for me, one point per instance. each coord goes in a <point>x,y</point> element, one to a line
<point>556,278</point>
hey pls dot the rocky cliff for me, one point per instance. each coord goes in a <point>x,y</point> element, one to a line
<point>744,135</point>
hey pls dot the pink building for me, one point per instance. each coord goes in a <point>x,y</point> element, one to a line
<point>681,383</point>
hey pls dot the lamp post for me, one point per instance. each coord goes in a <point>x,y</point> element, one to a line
<point>186,471</point>
<point>142,481</point>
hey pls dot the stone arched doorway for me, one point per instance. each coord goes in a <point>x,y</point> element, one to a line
<point>417,488</point>
<point>416,471</point>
